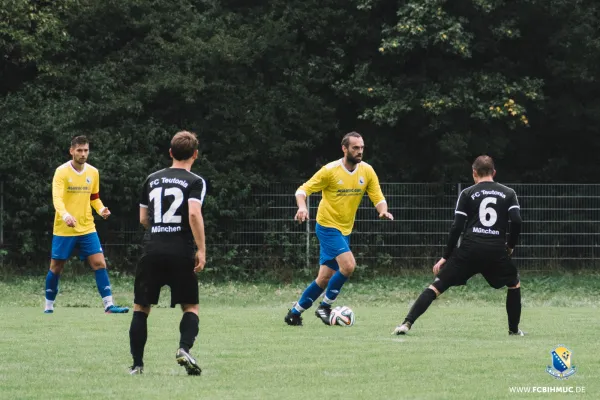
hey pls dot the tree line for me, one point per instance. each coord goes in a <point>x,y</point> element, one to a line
<point>271,87</point>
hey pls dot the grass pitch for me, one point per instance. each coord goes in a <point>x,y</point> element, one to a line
<point>458,350</point>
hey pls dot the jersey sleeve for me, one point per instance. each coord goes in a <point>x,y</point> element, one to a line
<point>95,201</point>
<point>373,189</point>
<point>317,183</point>
<point>198,191</point>
<point>513,202</point>
<point>58,189</point>
<point>461,204</point>
<point>144,200</point>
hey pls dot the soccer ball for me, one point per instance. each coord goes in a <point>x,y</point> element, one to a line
<point>342,316</point>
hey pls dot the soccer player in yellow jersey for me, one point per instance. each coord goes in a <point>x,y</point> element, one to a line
<point>75,190</point>
<point>343,184</point>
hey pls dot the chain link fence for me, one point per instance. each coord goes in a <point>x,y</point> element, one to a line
<point>561,229</point>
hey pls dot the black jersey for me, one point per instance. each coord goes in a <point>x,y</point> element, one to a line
<point>486,206</point>
<point>166,194</point>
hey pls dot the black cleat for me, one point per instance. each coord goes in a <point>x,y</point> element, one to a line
<point>323,312</point>
<point>186,360</point>
<point>517,333</point>
<point>293,319</point>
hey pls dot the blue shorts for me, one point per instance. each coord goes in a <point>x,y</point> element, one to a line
<point>62,246</point>
<point>333,243</point>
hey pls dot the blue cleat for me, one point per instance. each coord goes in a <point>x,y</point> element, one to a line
<point>116,310</point>
<point>48,311</point>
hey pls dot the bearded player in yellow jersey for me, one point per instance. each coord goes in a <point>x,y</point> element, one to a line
<point>75,190</point>
<point>343,184</point>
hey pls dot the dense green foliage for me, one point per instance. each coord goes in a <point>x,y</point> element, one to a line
<point>270,87</point>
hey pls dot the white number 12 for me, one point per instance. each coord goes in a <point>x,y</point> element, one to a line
<point>169,217</point>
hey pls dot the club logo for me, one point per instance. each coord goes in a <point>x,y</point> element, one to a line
<point>88,180</point>
<point>562,363</point>
<point>361,180</point>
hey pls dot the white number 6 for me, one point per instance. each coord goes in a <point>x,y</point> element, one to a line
<point>484,211</point>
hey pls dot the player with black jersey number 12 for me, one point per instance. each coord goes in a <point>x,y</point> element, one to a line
<point>171,212</point>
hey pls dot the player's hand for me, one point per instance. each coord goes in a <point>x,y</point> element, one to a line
<point>105,213</point>
<point>301,215</point>
<point>509,251</point>
<point>438,266</point>
<point>71,221</point>
<point>200,261</point>
<point>386,215</point>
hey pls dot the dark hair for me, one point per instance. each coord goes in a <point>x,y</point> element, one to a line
<point>183,145</point>
<point>79,141</point>
<point>347,136</point>
<point>484,166</point>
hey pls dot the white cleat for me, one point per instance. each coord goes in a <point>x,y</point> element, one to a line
<point>402,329</point>
<point>517,333</point>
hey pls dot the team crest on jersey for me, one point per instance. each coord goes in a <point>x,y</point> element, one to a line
<point>88,180</point>
<point>562,363</point>
<point>361,180</point>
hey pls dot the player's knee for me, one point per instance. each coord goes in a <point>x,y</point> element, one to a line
<point>348,268</point>
<point>322,281</point>
<point>144,309</point>
<point>57,267</point>
<point>514,285</point>
<point>438,287</point>
<point>193,308</point>
<point>96,265</point>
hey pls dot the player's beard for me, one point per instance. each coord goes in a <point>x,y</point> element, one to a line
<point>353,160</point>
<point>80,160</point>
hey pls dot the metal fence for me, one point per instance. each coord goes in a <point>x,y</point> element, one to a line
<point>561,229</point>
<point>561,225</point>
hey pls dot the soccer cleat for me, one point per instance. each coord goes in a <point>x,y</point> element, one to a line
<point>188,362</point>
<point>293,319</point>
<point>517,333</point>
<point>323,312</point>
<point>116,310</point>
<point>133,370</point>
<point>48,311</point>
<point>403,328</point>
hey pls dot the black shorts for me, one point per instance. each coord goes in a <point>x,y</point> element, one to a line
<point>155,271</point>
<point>468,260</point>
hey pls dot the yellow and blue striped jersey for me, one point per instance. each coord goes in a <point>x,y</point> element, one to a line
<point>75,193</point>
<point>342,193</point>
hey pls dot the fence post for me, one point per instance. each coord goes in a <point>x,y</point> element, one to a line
<point>308,233</point>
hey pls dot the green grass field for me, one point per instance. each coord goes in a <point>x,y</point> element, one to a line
<point>458,350</point>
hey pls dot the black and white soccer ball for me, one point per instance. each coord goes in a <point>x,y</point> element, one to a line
<point>342,316</point>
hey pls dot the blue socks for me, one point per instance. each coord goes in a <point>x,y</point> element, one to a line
<point>311,293</point>
<point>103,284</point>
<point>333,288</point>
<point>51,285</point>
<point>51,290</point>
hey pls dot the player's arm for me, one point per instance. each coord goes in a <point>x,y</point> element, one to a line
<point>144,217</point>
<point>58,189</point>
<point>144,201</point>
<point>197,192</point>
<point>316,183</point>
<point>514,214</point>
<point>377,198</point>
<point>458,225</point>
<point>95,201</point>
